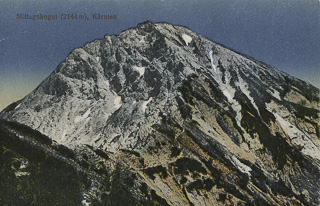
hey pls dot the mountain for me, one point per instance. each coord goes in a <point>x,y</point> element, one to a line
<point>160,115</point>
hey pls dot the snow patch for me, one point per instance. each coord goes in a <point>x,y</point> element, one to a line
<point>186,38</point>
<point>117,102</point>
<point>84,116</point>
<point>145,103</point>
<point>244,88</point>
<point>242,167</point>
<point>226,87</point>
<point>84,202</point>
<point>17,106</point>
<point>276,94</point>
<point>24,164</point>
<point>211,59</point>
<point>297,137</point>
<point>228,95</point>
<point>140,70</point>
<point>187,71</point>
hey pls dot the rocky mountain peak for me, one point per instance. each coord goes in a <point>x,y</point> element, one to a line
<point>171,96</point>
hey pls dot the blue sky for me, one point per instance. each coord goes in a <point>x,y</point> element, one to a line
<point>282,33</point>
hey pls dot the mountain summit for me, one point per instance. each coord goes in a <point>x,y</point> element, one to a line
<point>174,119</point>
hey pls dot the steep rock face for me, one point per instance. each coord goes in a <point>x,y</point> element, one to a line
<point>194,122</point>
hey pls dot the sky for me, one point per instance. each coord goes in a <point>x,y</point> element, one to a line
<point>282,33</point>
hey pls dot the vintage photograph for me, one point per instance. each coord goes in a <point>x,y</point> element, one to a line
<point>169,102</point>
